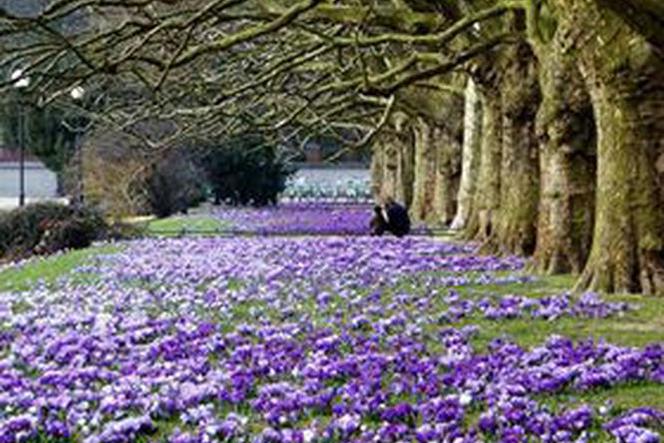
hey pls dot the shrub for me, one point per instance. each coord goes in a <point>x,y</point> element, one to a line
<point>114,175</point>
<point>77,231</point>
<point>246,170</point>
<point>45,228</point>
<point>174,184</point>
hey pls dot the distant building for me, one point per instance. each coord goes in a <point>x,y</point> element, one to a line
<point>40,183</point>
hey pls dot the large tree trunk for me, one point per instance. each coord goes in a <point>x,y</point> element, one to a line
<point>472,138</point>
<point>625,78</point>
<point>392,167</point>
<point>377,168</point>
<point>505,202</point>
<point>487,193</point>
<point>566,132</point>
<point>424,185</point>
<point>447,173</point>
<point>515,221</point>
<point>391,159</point>
<point>437,155</point>
<point>406,164</point>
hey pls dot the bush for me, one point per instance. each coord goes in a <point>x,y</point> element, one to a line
<point>246,171</point>
<point>174,185</point>
<point>44,228</point>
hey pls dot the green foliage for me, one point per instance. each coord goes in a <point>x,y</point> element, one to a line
<point>45,228</point>
<point>246,170</point>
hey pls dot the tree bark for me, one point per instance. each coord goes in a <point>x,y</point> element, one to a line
<point>472,138</point>
<point>447,173</point>
<point>566,132</point>
<point>377,168</point>
<point>393,167</point>
<point>406,164</point>
<point>487,194</point>
<point>424,186</point>
<point>625,79</point>
<point>390,163</point>
<point>516,217</point>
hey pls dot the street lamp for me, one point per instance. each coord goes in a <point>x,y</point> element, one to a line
<point>77,94</point>
<point>21,82</point>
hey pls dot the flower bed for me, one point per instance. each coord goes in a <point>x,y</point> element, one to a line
<point>303,218</point>
<point>305,340</point>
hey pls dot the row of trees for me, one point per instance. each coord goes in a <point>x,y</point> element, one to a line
<point>562,148</point>
<point>535,125</point>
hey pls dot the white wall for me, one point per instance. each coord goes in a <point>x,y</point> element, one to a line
<point>39,181</point>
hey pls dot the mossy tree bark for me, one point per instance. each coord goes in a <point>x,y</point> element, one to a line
<point>566,133</point>
<point>391,159</point>
<point>447,173</point>
<point>437,171</point>
<point>515,221</point>
<point>425,171</point>
<point>487,194</point>
<point>472,137</point>
<point>506,196</point>
<point>377,168</point>
<point>406,163</point>
<point>625,79</point>
<point>392,167</point>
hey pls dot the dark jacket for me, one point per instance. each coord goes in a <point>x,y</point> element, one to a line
<point>398,222</point>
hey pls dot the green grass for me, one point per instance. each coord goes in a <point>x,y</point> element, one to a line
<point>642,325</point>
<point>49,269</point>
<point>185,224</point>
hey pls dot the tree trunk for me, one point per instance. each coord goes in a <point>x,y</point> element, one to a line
<point>406,165</point>
<point>487,193</point>
<point>625,79</point>
<point>377,168</point>
<point>421,208</point>
<point>391,159</point>
<point>566,131</point>
<point>472,138</point>
<point>448,174</point>
<point>393,167</point>
<point>516,217</point>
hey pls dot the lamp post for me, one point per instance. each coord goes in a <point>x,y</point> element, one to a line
<point>77,94</point>
<point>21,82</point>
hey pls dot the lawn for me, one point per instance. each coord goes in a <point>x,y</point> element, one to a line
<point>47,270</point>
<point>178,225</point>
<point>316,339</point>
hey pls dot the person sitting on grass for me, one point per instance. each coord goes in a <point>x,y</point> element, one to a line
<point>378,225</point>
<point>391,217</point>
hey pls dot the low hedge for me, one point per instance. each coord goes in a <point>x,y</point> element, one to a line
<point>44,228</point>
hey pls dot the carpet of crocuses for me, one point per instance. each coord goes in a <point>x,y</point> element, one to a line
<point>304,339</point>
<point>301,218</point>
